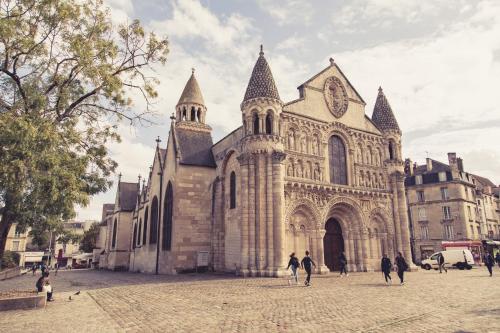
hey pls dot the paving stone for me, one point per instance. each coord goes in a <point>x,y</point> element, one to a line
<point>460,301</point>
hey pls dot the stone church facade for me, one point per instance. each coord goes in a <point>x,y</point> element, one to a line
<point>312,174</point>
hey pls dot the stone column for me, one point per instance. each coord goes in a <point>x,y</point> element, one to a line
<point>405,226</point>
<point>395,210</point>
<point>278,207</point>
<point>260,213</point>
<point>366,245</point>
<point>322,269</point>
<point>269,219</point>
<point>352,254</point>
<point>244,255</point>
<point>251,217</point>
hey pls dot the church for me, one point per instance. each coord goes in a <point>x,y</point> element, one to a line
<point>315,173</point>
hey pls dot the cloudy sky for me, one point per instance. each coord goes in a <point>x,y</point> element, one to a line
<point>437,60</point>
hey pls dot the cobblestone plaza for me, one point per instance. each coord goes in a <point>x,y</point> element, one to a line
<point>460,301</point>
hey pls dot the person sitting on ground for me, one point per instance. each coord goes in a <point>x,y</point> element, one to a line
<point>43,284</point>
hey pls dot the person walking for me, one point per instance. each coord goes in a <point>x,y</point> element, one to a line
<point>33,268</point>
<point>294,264</point>
<point>307,264</point>
<point>440,260</point>
<point>497,259</point>
<point>386,266</point>
<point>402,266</point>
<point>489,262</point>
<point>343,264</point>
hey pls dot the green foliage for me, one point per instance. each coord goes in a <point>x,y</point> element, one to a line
<point>89,240</point>
<point>10,259</point>
<point>66,74</point>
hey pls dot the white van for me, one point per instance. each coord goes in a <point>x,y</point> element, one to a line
<point>461,259</point>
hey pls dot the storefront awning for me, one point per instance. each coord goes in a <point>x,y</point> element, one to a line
<point>492,242</point>
<point>33,256</point>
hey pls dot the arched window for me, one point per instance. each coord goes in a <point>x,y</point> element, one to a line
<point>184,114</point>
<point>391,150</point>
<point>138,239</point>
<point>113,239</point>
<point>232,191</point>
<point>145,231</point>
<point>198,115</point>
<point>255,124</point>
<point>269,124</point>
<point>153,229</point>
<point>135,235</point>
<point>167,218</point>
<point>193,114</point>
<point>337,155</point>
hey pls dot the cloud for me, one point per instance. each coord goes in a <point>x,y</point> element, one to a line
<point>121,10</point>
<point>288,12</point>
<point>442,88</point>
<point>363,14</point>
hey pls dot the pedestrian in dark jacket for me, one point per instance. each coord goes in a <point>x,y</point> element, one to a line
<point>440,260</point>
<point>489,262</point>
<point>497,258</point>
<point>343,264</point>
<point>43,284</point>
<point>307,264</point>
<point>386,266</point>
<point>294,264</point>
<point>402,266</point>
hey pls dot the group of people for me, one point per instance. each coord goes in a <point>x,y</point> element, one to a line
<point>385,266</point>
<point>307,264</point>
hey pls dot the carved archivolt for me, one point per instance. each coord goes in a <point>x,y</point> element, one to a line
<point>380,218</point>
<point>308,207</point>
<point>349,208</point>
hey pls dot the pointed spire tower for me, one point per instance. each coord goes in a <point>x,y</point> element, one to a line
<point>382,116</point>
<point>261,166</point>
<point>191,110</point>
<point>262,95</point>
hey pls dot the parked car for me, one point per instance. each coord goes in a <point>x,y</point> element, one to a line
<point>461,259</point>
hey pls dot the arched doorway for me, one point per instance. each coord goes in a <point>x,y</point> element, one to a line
<point>333,244</point>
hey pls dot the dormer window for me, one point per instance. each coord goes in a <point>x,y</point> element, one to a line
<point>442,176</point>
<point>418,179</point>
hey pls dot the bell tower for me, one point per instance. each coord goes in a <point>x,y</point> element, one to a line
<point>191,110</point>
<point>262,168</point>
<point>386,122</point>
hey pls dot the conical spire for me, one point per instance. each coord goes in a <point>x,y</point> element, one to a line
<point>261,82</point>
<point>191,93</point>
<point>382,116</point>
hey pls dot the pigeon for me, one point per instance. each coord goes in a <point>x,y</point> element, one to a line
<point>70,298</point>
<point>77,293</point>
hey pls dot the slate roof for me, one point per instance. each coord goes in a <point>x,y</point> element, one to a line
<point>436,167</point>
<point>261,82</point>
<point>107,209</point>
<point>191,92</point>
<point>195,147</point>
<point>382,116</point>
<point>127,195</point>
<point>484,181</point>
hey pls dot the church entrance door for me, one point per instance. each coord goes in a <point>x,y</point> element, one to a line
<point>333,244</point>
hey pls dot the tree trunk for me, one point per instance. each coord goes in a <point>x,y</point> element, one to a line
<point>5,224</point>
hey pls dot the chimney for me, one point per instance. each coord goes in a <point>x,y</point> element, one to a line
<point>415,166</point>
<point>429,164</point>
<point>452,161</point>
<point>460,164</point>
